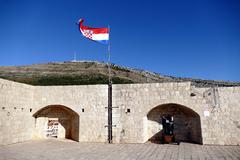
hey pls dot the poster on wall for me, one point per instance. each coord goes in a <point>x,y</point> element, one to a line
<point>52,129</point>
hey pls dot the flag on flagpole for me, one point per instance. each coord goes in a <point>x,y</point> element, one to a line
<point>100,35</point>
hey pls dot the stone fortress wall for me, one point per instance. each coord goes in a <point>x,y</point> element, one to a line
<point>16,108</point>
<point>82,113</point>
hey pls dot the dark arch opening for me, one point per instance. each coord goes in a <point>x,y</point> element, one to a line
<point>64,119</point>
<point>187,124</point>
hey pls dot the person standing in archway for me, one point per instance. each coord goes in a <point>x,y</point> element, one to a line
<point>168,127</point>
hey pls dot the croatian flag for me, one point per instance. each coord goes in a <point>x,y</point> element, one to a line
<point>100,35</point>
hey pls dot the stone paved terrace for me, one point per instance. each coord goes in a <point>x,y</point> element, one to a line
<point>69,150</point>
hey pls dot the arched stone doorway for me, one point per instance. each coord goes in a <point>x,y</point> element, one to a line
<point>56,121</point>
<point>187,124</point>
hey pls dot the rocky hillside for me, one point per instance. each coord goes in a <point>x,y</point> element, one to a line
<point>84,72</point>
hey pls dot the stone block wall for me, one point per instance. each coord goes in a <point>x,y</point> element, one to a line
<point>16,122</point>
<point>88,102</point>
<point>132,103</point>
<point>141,99</point>
<point>222,126</point>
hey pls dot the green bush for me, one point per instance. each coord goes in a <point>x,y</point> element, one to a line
<point>73,80</point>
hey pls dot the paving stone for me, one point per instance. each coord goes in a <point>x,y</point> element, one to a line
<point>70,150</point>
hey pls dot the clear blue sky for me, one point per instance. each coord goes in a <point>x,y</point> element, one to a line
<point>185,38</point>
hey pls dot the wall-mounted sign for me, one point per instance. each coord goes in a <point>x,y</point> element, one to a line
<point>52,130</point>
<point>206,113</point>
